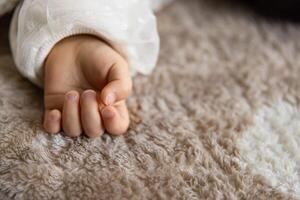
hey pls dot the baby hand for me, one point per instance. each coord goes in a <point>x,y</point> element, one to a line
<point>86,85</point>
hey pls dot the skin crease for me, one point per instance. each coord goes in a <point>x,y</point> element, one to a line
<point>86,86</point>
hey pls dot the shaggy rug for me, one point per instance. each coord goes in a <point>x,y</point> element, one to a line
<point>218,119</point>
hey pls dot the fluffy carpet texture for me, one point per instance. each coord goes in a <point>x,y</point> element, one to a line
<point>218,119</point>
<point>7,5</point>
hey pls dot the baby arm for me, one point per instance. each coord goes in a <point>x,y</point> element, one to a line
<point>83,54</point>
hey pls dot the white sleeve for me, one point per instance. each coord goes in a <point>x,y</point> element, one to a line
<point>159,4</point>
<point>128,25</point>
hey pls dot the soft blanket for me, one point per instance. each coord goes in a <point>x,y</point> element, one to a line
<point>218,119</point>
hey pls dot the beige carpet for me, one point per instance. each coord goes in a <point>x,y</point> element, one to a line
<point>218,119</point>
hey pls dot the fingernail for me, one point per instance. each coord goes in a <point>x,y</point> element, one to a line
<point>110,99</point>
<point>106,113</point>
<point>72,97</point>
<point>52,116</point>
<point>89,95</point>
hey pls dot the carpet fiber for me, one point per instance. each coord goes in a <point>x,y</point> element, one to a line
<point>218,119</point>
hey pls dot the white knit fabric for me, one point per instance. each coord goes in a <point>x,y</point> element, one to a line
<point>158,4</point>
<point>129,25</point>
